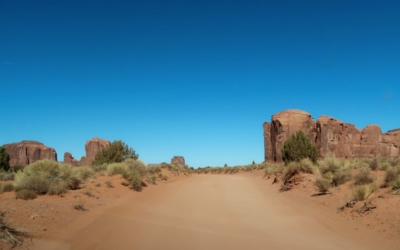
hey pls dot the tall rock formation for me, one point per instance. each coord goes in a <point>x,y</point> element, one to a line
<point>178,160</point>
<point>69,159</point>
<point>93,146</point>
<point>27,152</point>
<point>332,137</point>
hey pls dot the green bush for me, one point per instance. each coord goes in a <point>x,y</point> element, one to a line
<point>334,170</point>
<point>4,159</point>
<point>298,147</point>
<point>25,194</point>
<point>118,151</point>
<point>135,181</point>
<point>374,164</point>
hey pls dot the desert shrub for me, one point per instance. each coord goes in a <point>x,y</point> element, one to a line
<point>395,184</point>
<point>116,168</point>
<point>88,192</point>
<point>4,159</point>
<point>374,164</point>
<point>362,192</point>
<point>334,170</point>
<point>6,176</point>
<point>153,169</point>
<point>162,176</point>
<point>291,170</point>
<point>306,166</point>
<point>135,181</point>
<point>83,173</point>
<point>79,205</point>
<point>136,165</point>
<point>384,166</point>
<point>98,168</point>
<point>363,177</point>
<point>395,162</point>
<point>298,147</point>
<point>35,183</point>
<point>8,187</point>
<point>58,188</point>
<point>391,175</point>
<point>323,185</point>
<point>25,194</point>
<point>118,151</point>
<point>97,185</point>
<point>152,179</point>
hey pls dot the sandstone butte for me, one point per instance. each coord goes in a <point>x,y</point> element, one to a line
<point>92,147</point>
<point>27,152</point>
<point>332,137</point>
<point>178,160</point>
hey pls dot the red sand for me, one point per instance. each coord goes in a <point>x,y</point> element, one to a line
<point>240,211</point>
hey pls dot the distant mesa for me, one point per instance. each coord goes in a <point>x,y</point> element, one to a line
<point>332,137</point>
<point>178,160</point>
<point>69,159</point>
<point>26,152</point>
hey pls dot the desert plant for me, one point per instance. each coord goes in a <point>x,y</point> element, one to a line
<point>88,193</point>
<point>374,164</point>
<point>363,177</point>
<point>98,168</point>
<point>298,147</point>
<point>9,234</point>
<point>4,159</point>
<point>153,169</point>
<point>79,205</point>
<point>6,176</point>
<point>58,188</point>
<point>291,170</point>
<point>391,175</point>
<point>8,187</point>
<point>362,192</point>
<point>395,184</point>
<point>152,179</point>
<point>334,170</point>
<point>83,173</point>
<point>135,181</point>
<point>25,194</point>
<point>116,168</point>
<point>109,184</point>
<point>162,176</point>
<point>117,151</point>
<point>35,183</point>
<point>97,185</point>
<point>323,185</point>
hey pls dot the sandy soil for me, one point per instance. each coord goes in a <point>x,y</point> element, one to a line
<point>240,211</point>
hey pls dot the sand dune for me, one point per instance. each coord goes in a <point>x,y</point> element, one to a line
<point>211,212</point>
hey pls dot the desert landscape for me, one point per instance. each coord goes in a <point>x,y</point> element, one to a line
<point>347,198</point>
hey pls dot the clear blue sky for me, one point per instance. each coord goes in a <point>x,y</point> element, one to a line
<point>192,78</point>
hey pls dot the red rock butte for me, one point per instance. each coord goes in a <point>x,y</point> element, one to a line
<point>92,147</point>
<point>332,137</point>
<point>27,152</point>
<point>178,160</point>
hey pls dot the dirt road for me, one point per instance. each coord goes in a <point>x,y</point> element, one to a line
<point>211,212</point>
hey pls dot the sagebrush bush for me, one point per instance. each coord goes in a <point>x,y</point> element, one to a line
<point>135,181</point>
<point>152,179</point>
<point>323,185</point>
<point>298,146</point>
<point>374,164</point>
<point>35,183</point>
<point>291,170</point>
<point>98,168</point>
<point>334,170</point>
<point>395,184</point>
<point>362,192</point>
<point>8,187</point>
<point>363,177</point>
<point>6,176</point>
<point>58,188</point>
<point>25,194</point>
<point>391,175</point>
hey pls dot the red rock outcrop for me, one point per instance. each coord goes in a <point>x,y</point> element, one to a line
<point>69,159</point>
<point>27,152</point>
<point>178,160</point>
<point>93,146</point>
<point>332,137</point>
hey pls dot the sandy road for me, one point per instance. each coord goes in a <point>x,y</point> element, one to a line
<point>210,212</point>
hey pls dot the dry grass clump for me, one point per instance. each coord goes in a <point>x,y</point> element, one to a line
<point>25,194</point>
<point>8,187</point>
<point>293,168</point>
<point>37,184</point>
<point>162,176</point>
<point>58,188</point>
<point>152,179</point>
<point>334,170</point>
<point>362,192</point>
<point>374,164</point>
<point>79,205</point>
<point>323,185</point>
<point>10,235</point>
<point>391,175</point>
<point>6,176</point>
<point>98,168</point>
<point>363,177</point>
<point>135,181</point>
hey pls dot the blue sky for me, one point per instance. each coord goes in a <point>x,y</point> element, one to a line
<point>192,78</point>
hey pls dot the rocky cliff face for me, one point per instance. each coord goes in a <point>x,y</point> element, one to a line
<point>178,160</point>
<point>92,147</point>
<point>69,159</point>
<point>27,152</point>
<point>332,137</point>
